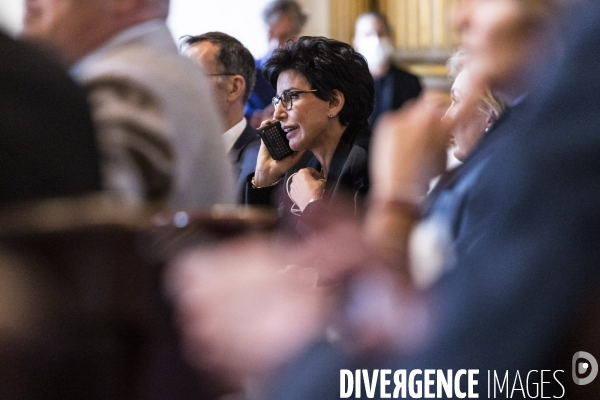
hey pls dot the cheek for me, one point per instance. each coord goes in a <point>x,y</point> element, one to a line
<point>469,132</point>
<point>310,127</point>
<point>52,24</point>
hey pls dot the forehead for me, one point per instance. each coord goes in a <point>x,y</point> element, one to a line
<point>282,26</point>
<point>526,9</point>
<point>369,25</point>
<point>462,82</point>
<point>291,79</point>
<point>61,5</point>
<point>63,20</point>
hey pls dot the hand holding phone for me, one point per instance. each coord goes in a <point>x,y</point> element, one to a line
<point>273,136</point>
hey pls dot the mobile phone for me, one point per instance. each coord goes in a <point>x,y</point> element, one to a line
<point>274,138</point>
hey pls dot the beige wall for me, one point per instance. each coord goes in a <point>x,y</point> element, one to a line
<point>318,17</point>
<point>343,13</point>
<point>423,34</point>
<point>421,24</point>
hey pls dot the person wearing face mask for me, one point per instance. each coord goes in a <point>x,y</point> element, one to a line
<point>393,86</point>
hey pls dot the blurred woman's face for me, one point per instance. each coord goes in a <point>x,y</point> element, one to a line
<point>498,37</point>
<point>306,122</point>
<point>469,122</point>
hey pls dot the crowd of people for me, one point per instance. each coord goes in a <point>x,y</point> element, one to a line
<point>494,269</point>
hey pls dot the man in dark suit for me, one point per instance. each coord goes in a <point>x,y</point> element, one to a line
<point>48,144</point>
<point>232,70</point>
<point>393,86</point>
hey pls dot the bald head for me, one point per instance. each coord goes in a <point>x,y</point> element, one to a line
<point>73,28</point>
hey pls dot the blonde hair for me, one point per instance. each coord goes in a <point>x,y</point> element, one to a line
<point>490,104</point>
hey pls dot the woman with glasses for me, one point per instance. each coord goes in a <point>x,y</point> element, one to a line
<point>325,96</point>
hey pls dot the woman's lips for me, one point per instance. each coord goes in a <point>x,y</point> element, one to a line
<point>289,131</point>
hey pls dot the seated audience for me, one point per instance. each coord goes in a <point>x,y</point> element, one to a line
<point>284,20</point>
<point>156,122</point>
<point>48,143</point>
<point>393,86</point>
<point>230,67</point>
<point>325,97</point>
<point>517,299</point>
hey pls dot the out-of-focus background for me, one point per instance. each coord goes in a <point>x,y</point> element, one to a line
<point>423,36</point>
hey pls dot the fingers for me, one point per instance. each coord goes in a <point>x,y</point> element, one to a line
<point>314,173</point>
<point>306,185</point>
<point>266,122</point>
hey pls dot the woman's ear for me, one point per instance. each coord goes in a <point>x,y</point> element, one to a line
<point>492,118</point>
<point>336,103</point>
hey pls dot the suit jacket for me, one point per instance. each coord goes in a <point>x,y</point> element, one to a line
<point>348,175</point>
<point>525,295</point>
<point>158,126</point>
<point>451,204</point>
<point>392,90</point>
<point>244,154</point>
<point>48,148</point>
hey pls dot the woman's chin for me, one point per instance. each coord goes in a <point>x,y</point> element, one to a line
<point>294,145</point>
<point>459,154</point>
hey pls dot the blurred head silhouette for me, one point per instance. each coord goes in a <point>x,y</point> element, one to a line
<point>507,39</point>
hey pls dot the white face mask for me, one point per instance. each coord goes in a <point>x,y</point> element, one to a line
<point>376,50</point>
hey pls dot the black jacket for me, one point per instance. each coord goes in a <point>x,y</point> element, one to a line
<point>348,175</point>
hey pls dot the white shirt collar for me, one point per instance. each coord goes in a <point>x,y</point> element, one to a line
<point>116,41</point>
<point>230,137</point>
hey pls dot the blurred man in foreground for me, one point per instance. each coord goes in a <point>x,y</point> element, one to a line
<point>47,138</point>
<point>155,119</point>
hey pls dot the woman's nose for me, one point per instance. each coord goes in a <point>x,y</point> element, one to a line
<point>279,114</point>
<point>448,115</point>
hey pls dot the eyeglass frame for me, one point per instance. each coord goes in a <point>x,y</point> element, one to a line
<point>279,99</point>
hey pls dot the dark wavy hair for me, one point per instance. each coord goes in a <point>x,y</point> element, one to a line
<point>328,65</point>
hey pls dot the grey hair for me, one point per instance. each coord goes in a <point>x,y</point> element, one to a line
<point>277,8</point>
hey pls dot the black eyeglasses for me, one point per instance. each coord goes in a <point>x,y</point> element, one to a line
<point>286,98</point>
